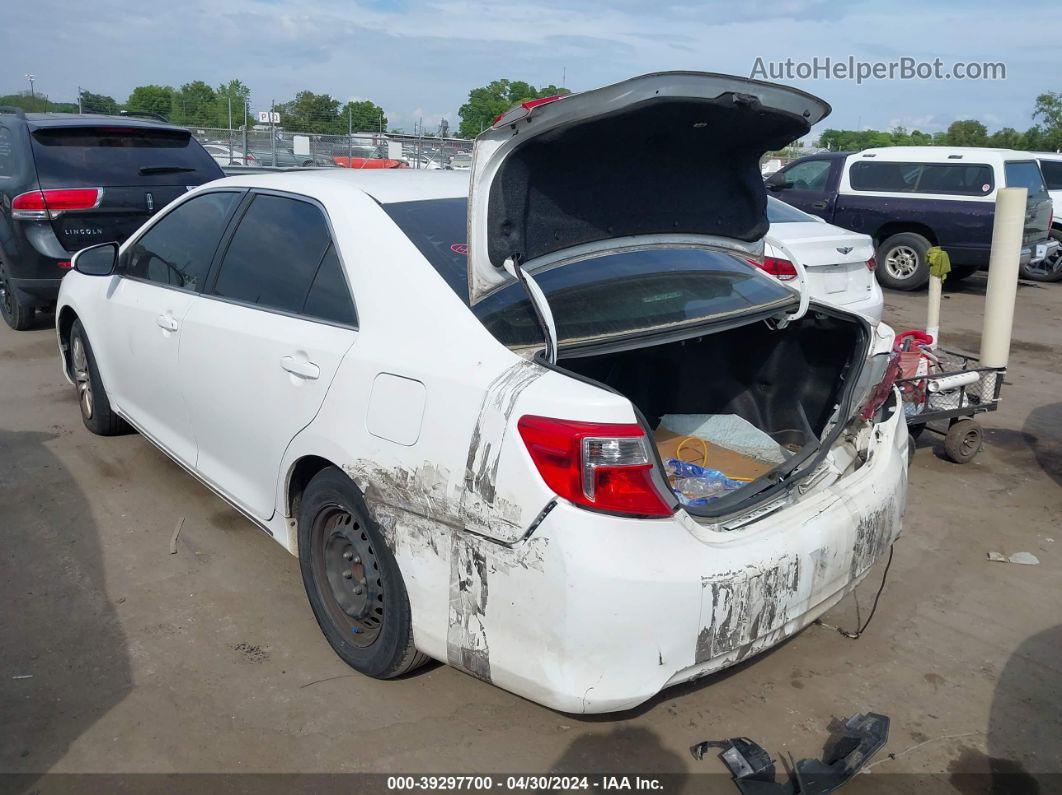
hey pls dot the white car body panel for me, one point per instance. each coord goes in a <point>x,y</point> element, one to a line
<point>505,580</point>
<point>834,276</point>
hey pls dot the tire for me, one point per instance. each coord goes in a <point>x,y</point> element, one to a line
<point>916,430</point>
<point>960,272</point>
<point>963,441</point>
<point>96,411</point>
<point>16,314</point>
<point>1050,270</point>
<point>909,267</point>
<point>362,609</point>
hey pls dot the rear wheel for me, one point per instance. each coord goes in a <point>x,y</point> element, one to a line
<point>352,580</point>
<point>963,441</point>
<point>96,410</point>
<point>17,315</point>
<point>902,261</point>
<point>1050,270</point>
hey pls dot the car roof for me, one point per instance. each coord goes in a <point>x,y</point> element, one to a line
<point>50,120</point>
<point>936,154</point>
<point>386,186</point>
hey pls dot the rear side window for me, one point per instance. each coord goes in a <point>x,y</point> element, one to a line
<point>7,153</point>
<point>329,298</point>
<point>1052,171</point>
<point>94,156</point>
<point>778,212</point>
<point>274,254</point>
<point>1024,174</point>
<point>177,251</point>
<point>960,179</point>
<point>957,179</point>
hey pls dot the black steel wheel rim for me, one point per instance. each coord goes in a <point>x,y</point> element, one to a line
<point>347,575</point>
<point>971,442</point>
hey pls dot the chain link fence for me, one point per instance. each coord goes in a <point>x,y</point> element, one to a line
<point>276,147</point>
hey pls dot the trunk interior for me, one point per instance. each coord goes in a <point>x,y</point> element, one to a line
<point>735,404</point>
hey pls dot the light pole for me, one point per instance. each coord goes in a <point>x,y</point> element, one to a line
<point>31,79</point>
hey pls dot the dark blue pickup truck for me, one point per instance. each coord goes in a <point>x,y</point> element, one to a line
<point>909,198</point>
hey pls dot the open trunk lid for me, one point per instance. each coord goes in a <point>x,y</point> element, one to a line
<point>666,158</point>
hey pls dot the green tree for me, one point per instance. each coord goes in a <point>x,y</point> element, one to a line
<point>1048,110</point>
<point>967,132</point>
<point>234,96</point>
<point>97,103</point>
<point>363,116</point>
<point>195,104</point>
<point>39,103</point>
<point>151,99</point>
<point>1006,138</point>
<point>488,102</point>
<point>310,112</point>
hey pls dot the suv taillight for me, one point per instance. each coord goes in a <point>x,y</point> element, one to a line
<point>603,466</point>
<point>872,264</point>
<point>44,205</point>
<point>781,269</point>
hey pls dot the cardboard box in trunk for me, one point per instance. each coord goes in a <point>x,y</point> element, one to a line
<point>733,465</point>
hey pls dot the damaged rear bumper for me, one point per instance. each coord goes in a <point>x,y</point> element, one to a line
<point>608,611</point>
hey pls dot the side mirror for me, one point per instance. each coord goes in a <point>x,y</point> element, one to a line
<point>98,260</point>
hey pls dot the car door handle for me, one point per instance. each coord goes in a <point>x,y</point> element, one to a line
<point>820,205</point>
<point>300,367</point>
<point>166,322</point>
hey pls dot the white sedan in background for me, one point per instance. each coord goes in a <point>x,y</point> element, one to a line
<point>839,263</point>
<point>445,393</point>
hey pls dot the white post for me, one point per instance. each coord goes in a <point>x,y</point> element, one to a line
<point>1003,276</point>
<point>933,315</point>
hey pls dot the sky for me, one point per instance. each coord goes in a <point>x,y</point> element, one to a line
<point>419,58</point>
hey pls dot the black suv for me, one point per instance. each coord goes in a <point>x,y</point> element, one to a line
<point>68,181</point>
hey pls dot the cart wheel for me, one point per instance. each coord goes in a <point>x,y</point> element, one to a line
<point>963,441</point>
<point>916,430</point>
<point>910,449</point>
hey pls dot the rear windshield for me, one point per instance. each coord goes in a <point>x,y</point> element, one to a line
<point>959,179</point>
<point>603,296</point>
<point>96,156</point>
<point>1024,174</point>
<point>778,212</point>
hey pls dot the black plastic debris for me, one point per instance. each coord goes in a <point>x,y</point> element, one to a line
<point>852,743</point>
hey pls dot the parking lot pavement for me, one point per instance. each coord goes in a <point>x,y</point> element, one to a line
<point>118,656</point>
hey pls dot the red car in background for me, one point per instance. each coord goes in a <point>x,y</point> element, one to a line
<point>366,157</point>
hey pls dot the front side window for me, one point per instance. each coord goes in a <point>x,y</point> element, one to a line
<point>177,251</point>
<point>274,254</point>
<point>1024,174</point>
<point>809,175</point>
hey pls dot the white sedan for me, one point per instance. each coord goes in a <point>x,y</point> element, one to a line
<point>839,264</point>
<point>462,400</point>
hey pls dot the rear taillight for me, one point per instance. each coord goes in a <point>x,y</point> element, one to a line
<point>872,264</point>
<point>781,269</point>
<point>596,465</point>
<point>880,393</point>
<point>43,205</point>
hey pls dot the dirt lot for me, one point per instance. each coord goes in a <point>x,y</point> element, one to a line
<point>117,656</point>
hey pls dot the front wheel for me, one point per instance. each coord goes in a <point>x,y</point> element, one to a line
<point>96,411</point>
<point>1050,269</point>
<point>903,262</point>
<point>352,580</point>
